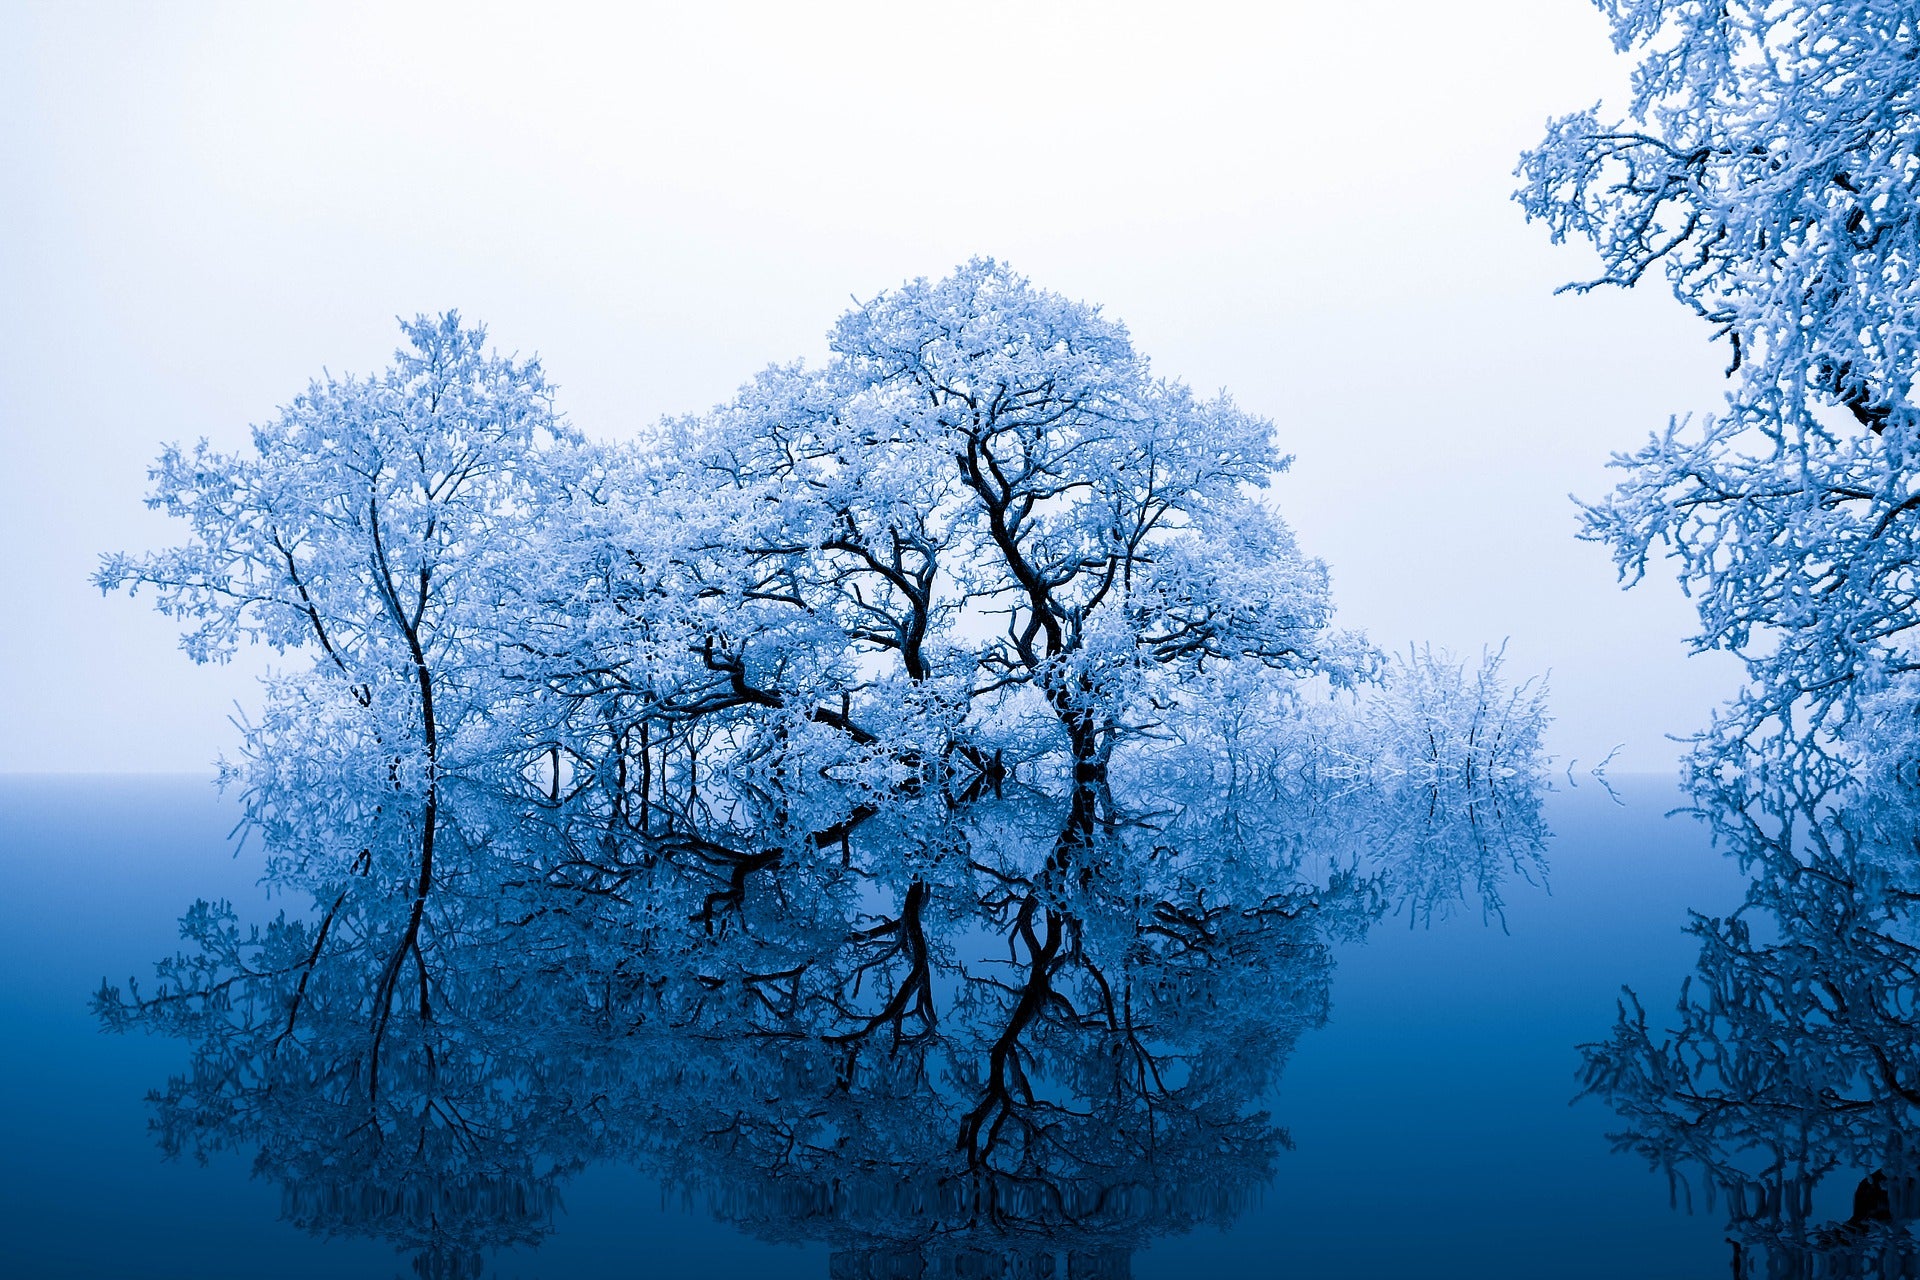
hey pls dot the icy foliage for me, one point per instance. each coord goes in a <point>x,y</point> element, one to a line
<point>375,524</point>
<point>982,535</point>
<point>1768,170</point>
<point>910,806</point>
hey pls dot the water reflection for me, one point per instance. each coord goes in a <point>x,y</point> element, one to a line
<point>1786,1091</point>
<point>1012,1033</point>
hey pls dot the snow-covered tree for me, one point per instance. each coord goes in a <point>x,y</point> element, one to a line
<point>1768,169</point>
<point>653,801</point>
<point>982,512</point>
<point>987,490</point>
<point>982,534</point>
<point>375,526</point>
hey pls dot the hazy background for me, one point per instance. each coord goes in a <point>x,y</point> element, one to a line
<point>201,206</point>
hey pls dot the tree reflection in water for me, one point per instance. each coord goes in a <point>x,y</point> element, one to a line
<point>1788,1091</point>
<point>962,1035</point>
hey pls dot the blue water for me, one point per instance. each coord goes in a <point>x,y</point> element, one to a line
<point>1431,1116</point>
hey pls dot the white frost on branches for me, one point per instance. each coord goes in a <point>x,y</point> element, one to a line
<point>982,536</point>
<point>1768,170</point>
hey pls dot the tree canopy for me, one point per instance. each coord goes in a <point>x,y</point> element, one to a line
<point>982,533</point>
<point>1767,169</point>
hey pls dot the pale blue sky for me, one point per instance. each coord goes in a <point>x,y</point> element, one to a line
<point>1305,203</point>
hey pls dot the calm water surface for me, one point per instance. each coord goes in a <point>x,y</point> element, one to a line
<point>1431,1118</point>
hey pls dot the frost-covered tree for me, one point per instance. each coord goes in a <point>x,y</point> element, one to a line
<point>986,489</point>
<point>653,801</point>
<point>981,512</point>
<point>982,534</point>
<point>375,526</point>
<point>1768,169</point>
